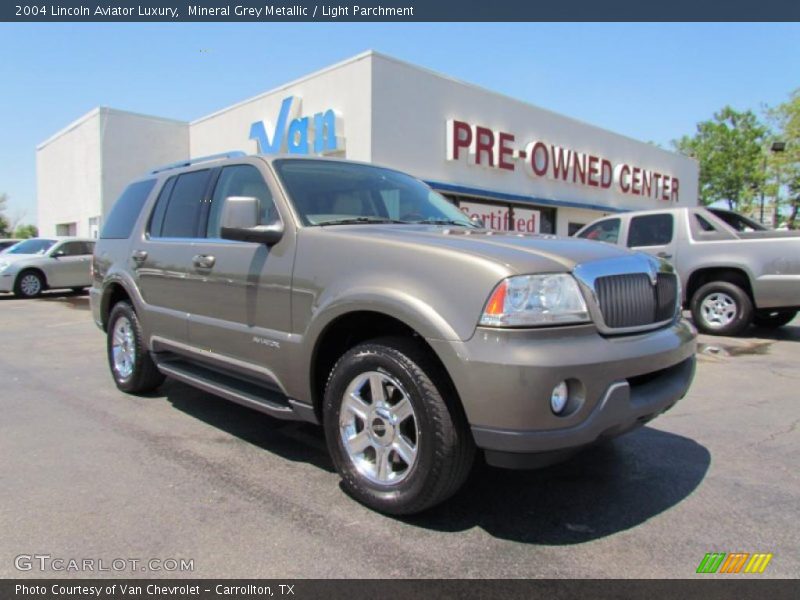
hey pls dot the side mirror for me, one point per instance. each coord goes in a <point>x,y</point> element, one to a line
<point>58,254</point>
<point>476,220</point>
<point>239,222</point>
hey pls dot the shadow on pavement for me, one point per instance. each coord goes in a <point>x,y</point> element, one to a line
<point>79,300</point>
<point>292,440</point>
<point>601,491</point>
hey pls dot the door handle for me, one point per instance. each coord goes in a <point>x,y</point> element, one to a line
<point>139,256</point>
<point>664,255</point>
<point>203,261</point>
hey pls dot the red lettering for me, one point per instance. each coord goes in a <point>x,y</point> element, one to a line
<point>674,195</point>
<point>560,164</point>
<point>461,137</point>
<point>504,150</point>
<point>624,185</point>
<point>579,168</point>
<point>520,225</point>
<point>484,143</point>
<point>593,170</point>
<point>646,179</point>
<point>606,174</point>
<point>665,190</point>
<point>656,189</point>
<point>539,159</point>
<point>636,181</point>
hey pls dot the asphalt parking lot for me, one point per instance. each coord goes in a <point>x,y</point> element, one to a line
<point>88,472</point>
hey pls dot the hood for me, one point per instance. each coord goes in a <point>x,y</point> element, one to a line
<point>518,252</point>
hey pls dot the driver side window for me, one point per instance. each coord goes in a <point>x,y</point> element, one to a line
<point>603,231</point>
<point>240,180</point>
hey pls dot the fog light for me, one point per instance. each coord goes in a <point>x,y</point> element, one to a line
<point>559,397</point>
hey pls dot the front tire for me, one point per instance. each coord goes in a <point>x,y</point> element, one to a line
<point>394,427</point>
<point>721,308</point>
<point>128,358</point>
<point>29,284</point>
<point>773,319</point>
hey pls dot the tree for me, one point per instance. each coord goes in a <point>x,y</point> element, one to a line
<point>786,164</point>
<point>5,230</point>
<point>26,231</point>
<point>730,151</point>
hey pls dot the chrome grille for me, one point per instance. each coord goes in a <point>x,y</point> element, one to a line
<point>631,300</point>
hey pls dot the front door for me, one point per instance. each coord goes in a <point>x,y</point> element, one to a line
<point>69,265</point>
<point>653,233</point>
<point>241,290</point>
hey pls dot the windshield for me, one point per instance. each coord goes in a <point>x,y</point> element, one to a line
<point>36,246</point>
<point>329,193</point>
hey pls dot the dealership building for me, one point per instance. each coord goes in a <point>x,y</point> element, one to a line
<point>516,166</point>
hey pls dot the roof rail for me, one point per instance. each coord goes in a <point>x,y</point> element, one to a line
<point>193,161</point>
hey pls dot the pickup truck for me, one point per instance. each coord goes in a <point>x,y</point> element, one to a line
<point>355,297</point>
<point>733,271</point>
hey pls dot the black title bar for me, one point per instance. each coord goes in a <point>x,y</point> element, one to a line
<point>398,10</point>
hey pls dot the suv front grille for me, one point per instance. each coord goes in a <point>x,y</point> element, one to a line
<point>631,300</point>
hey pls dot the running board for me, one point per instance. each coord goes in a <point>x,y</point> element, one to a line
<point>232,388</point>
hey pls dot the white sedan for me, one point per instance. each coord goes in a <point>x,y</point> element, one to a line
<point>37,264</point>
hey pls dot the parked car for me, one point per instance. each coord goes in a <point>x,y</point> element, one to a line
<point>733,271</point>
<point>37,264</point>
<point>5,244</point>
<point>356,297</point>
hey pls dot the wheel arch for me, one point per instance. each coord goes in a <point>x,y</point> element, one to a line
<point>113,293</point>
<point>40,272</point>
<point>350,329</point>
<point>735,275</point>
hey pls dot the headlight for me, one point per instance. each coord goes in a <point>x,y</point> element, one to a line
<point>530,300</point>
<point>3,266</point>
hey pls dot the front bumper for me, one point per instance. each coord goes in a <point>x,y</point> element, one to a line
<point>505,378</point>
<point>7,282</point>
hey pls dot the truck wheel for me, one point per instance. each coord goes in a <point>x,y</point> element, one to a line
<point>774,319</point>
<point>721,308</point>
<point>131,366</point>
<point>394,428</point>
<point>29,284</point>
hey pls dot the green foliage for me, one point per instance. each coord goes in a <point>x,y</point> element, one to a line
<point>729,150</point>
<point>786,165</point>
<point>4,227</point>
<point>26,231</point>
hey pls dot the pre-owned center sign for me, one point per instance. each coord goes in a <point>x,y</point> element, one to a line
<point>497,149</point>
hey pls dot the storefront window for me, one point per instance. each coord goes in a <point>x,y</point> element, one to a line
<point>503,216</point>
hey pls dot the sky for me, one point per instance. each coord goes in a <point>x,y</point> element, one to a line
<point>652,82</point>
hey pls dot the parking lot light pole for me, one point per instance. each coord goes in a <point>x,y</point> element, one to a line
<point>777,146</point>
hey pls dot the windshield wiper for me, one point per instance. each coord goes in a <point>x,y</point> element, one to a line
<point>360,220</point>
<point>444,222</point>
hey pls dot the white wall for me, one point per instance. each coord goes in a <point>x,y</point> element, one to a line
<point>68,180</point>
<point>133,145</point>
<point>344,87</point>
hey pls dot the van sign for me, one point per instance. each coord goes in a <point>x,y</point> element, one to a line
<point>295,134</point>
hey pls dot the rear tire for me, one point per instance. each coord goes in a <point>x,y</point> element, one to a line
<point>721,308</point>
<point>29,284</point>
<point>131,367</point>
<point>394,427</point>
<point>773,319</point>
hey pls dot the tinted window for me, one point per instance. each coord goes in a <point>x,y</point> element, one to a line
<point>75,248</point>
<point>182,213</point>
<point>240,180</point>
<point>737,221</point>
<point>603,231</point>
<point>126,210</point>
<point>34,246</point>
<point>650,230</point>
<point>703,224</point>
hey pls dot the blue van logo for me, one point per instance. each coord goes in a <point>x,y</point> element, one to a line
<point>298,135</point>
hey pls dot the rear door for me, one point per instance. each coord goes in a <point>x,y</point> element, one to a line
<point>162,257</point>
<point>653,233</point>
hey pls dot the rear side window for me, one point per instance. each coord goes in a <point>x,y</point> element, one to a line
<point>177,214</point>
<point>76,248</point>
<point>603,231</point>
<point>120,221</point>
<point>650,230</point>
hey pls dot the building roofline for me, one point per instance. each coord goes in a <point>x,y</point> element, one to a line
<point>104,110</point>
<point>323,71</point>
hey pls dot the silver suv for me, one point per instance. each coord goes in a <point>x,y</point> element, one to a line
<point>355,297</point>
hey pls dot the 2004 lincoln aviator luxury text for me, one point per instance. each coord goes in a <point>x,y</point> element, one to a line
<point>355,297</point>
